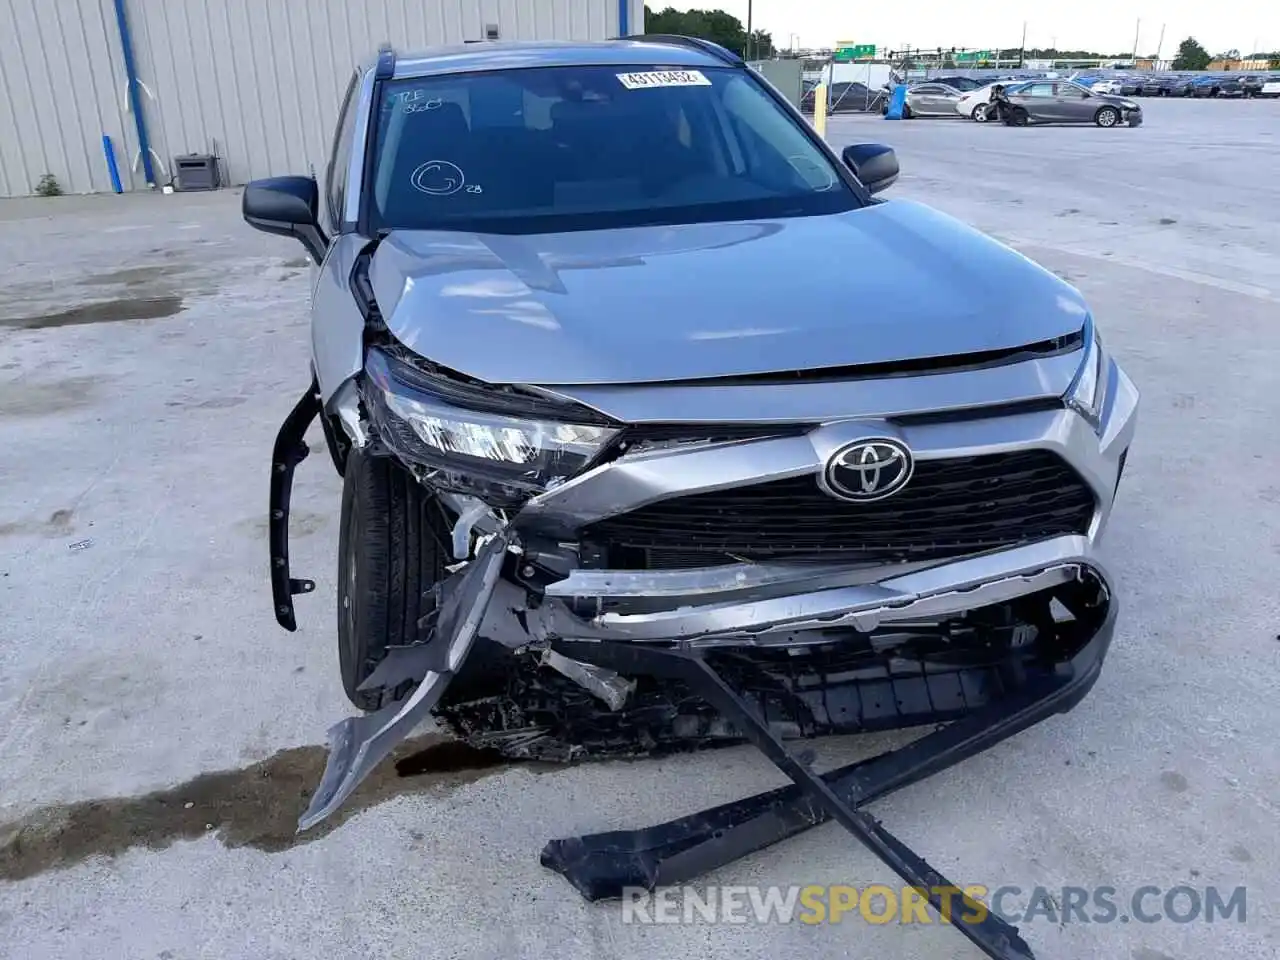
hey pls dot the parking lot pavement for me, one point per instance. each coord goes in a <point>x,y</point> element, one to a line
<point>158,731</point>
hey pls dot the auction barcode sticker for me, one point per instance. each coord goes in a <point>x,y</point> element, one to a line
<point>664,78</point>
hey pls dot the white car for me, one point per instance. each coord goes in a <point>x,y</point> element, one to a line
<point>1271,88</point>
<point>973,104</point>
<point>1107,86</point>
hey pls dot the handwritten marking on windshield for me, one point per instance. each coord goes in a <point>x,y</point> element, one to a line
<point>423,105</point>
<point>440,178</point>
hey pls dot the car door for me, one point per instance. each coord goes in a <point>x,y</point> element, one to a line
<point>1036,99</point>
<point>846,97</point>
<point>923,99</point>
<point>939,100</point>
<point>1072,104</point>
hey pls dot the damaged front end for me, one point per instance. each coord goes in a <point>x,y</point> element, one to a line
<point>580,620</point>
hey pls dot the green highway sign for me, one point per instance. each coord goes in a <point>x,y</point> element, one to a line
<point>846,52</point>
<point>972,56</point>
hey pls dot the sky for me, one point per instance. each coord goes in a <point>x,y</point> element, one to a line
<point>1108,26</point>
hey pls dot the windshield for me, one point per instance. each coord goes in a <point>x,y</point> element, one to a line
<point>579,148</point>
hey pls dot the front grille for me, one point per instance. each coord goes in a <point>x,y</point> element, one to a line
<point>950,508</point>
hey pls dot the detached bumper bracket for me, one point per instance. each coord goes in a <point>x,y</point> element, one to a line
<point>290,450</point>
<point>600,866</point>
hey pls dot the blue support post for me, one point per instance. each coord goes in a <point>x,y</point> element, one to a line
<point>897,100</point>
<point>624,17</point>
<point>112,169</point>
<point>135,101</point>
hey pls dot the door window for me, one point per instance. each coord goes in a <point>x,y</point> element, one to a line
<point>340,157</point>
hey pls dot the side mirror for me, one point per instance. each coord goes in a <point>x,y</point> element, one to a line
<point>874,164</point>
<point>286,206</point>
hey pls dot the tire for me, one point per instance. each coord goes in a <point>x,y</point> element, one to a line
<point>1107,117</point>
<point>979,113</point>
<point>391,552</point>
<point>1018,117</point>
<point>906,112</point>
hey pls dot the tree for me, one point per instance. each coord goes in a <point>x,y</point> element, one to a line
<point>1191,56</point>
<point>714,25</point>
<point>761,44</point>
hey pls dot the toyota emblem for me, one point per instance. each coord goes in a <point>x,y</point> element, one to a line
<point>868,470</point>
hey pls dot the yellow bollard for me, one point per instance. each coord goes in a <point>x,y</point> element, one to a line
<point>820,110</point>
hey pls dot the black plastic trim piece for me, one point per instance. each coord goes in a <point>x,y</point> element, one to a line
<point>290,450</point>
<point>660,432</point>
<point>991,934</point>
<point>914,367</point>
<point>600,866</point>
<point>1011,408</point>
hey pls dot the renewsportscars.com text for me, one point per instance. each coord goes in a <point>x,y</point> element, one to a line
<point>880,904</point>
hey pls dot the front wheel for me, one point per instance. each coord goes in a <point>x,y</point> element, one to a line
<point>1018,117</point>
<point>1107,117</point>
<point>391,552</point>
<point>979,113</point>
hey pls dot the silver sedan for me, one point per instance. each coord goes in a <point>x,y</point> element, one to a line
<point>931,100</point>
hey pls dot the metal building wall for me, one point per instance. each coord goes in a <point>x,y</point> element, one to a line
<point>256,81</point>
<point>61,88</point>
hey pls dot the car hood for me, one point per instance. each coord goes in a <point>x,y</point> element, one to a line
<point>888,282</point>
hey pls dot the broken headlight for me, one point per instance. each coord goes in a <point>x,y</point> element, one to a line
<point>498,444</point>
<point>1087,392</point>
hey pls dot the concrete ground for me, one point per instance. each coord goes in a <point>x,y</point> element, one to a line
<point>158,730</point>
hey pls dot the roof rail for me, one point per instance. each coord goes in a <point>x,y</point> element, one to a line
<point>706,46</point>
<point>386,67</point>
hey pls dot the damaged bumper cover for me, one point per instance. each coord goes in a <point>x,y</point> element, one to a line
<point>527,589</point>
<point>664,624</point>
<point>736,605</point>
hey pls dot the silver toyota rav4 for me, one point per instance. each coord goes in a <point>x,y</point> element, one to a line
<point>658,429</point>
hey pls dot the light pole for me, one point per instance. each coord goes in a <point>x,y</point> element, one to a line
<point>750,37</point>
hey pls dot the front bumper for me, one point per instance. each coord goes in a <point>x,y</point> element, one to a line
<point>751,604</point>
<point>672,623</point>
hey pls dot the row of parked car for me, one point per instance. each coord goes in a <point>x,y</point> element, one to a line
<point>1245,85</point>
<point>1025,102</point>
<point>942,96</point>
